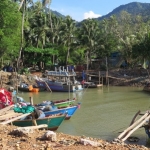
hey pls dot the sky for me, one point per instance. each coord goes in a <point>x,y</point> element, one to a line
<point>83,9</point>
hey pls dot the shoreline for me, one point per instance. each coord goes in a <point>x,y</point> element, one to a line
<point>66,142</point>
<point>32,140</point>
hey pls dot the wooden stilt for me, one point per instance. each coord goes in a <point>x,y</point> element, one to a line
<point>33,117</point>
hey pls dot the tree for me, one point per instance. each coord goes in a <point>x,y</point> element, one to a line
<point>88,36</point>
<point>67,32</point>
<point>10,23</point>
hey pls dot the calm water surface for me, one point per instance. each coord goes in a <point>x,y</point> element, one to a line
<point>104,111</point>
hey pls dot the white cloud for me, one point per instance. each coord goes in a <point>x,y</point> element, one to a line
<point>90,15</point>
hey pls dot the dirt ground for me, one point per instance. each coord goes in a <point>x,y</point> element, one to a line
<point>32,141</point>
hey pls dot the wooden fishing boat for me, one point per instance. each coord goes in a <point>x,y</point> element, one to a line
<point>89,85</point>
<point>64,103</point>
<point>64,81</point>
<point>58,103</point>
<point>53,121</point>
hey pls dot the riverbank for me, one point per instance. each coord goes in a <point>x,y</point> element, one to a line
<point>63,141</point>
<point>117,77</point>
<point>33,141</point>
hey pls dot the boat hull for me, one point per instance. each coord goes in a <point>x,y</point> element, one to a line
<point>58,87</point>
<point>69,110</point>
<point>53,122</point>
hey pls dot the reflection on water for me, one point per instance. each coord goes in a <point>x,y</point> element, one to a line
<point>104,111</point>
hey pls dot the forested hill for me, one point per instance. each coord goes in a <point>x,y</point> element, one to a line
<point>54,12</point>
<point>134,8</point>
<point>58,14</point>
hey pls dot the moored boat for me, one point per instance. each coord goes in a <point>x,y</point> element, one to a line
<point>89,84</point>
<point>69,110</point>
<point>33,89</point>
<point>59,103</point>
<point>64,81</point>
<point>53,121</point>
<point>64,103</point>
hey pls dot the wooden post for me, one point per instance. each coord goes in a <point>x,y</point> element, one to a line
<point>33,117</point>
<point>16,81</point>
<point>99,77</point>
<point>1,80</point>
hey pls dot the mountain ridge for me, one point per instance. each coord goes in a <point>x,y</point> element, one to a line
<point>134,8</point>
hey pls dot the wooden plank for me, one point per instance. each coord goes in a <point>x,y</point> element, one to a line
<point>6,108</point>
<point>13,119</point>
<point>7,112</point>
<point>4,117</point>
<point>34,127</point>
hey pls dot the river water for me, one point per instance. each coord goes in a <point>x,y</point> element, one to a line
<point>104,112</point>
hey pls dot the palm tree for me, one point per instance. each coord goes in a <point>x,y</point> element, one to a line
<point>88,36</point>
<point>45,3</point>
<point>67,33</point>
<point>23,5</point>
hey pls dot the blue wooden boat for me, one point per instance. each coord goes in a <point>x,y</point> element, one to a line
<point>69,110</point>
<point>64,81</point>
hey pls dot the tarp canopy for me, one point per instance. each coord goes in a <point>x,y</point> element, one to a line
<point>5,98</point>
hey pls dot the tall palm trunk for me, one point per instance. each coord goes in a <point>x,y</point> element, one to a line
<point>22,37</point>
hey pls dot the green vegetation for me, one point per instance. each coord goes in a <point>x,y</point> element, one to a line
<point>32,35</point>
<point>10,30</point>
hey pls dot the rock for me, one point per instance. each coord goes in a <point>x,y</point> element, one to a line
<point>49,135</point>
<point>89,142</point>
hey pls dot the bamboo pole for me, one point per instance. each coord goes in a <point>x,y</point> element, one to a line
<point>130,127</point>
<point>129,133</point>
<point>47,86</point>
<point>134,117</point>
<point>99,77</point>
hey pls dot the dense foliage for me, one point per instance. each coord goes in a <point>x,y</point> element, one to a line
<point>10,29</point>
<point>47,39</point>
